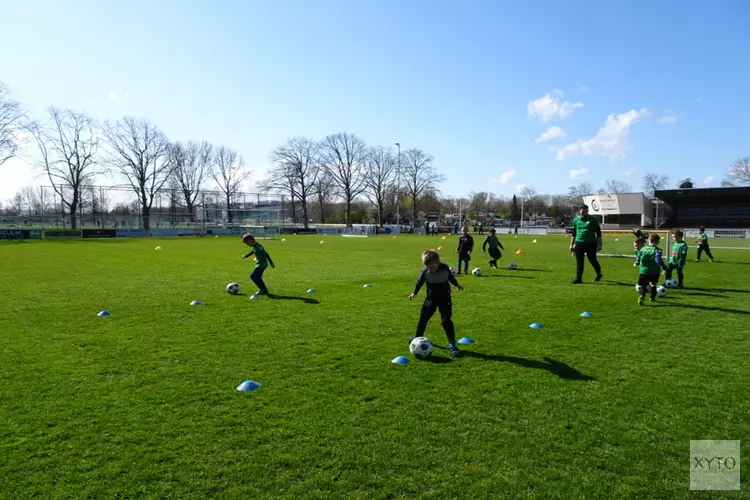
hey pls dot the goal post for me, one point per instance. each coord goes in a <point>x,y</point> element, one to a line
<point>619,242</point>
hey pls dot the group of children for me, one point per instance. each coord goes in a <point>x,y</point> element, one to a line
<point>438,277</point>
<point>648,258</point>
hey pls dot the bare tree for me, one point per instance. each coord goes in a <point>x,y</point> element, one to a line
<point>343,156</point>
<point>295,172</point>
<point>617,187</point>
<point>324,190</point>
<point>739,173</point>
<point>11,117</point>
<point>229,174</point>
<point>686,183</point>
<point>380,178</point>
<point>139,152</point>
<point>420,177</point>
<point>68,146</point>
<point>654,182</point>
<point>17,203</point>
<point>190,165</point>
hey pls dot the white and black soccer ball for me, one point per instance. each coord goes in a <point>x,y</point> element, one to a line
<point>233,288</point>
<point>421,347</point>
<point>476,271</point>
<point>512,265</point>
<point>453,271</point>
<point>670,283</point>
<point>661,291</point>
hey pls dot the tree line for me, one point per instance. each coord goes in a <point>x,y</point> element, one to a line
<point>75,148</point>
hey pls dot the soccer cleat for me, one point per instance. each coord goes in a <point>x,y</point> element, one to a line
<point>576,282</point>
<point>455,351</point>
<point>412,339</point>
<point>640,300</point>
<point>598,278</point>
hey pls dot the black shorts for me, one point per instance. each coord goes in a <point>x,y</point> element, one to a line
<point>464,256</point>
<point>647,279</point>
<point>495,253</point>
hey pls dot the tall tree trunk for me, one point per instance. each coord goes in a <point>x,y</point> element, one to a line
<point>229,209</point>
<point>304,211</point>
<point>146,216</point>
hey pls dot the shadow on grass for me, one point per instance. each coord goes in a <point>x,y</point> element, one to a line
<point>291,297</point>
<point>510,276</point>
<point>437,359</point>
<point>703,294</point>
<point>719,290</point>
<point>521,269</point>
<point>553,366</point>
<point>709,308</point>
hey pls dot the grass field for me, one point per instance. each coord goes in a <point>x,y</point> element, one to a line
<point>143,404</point>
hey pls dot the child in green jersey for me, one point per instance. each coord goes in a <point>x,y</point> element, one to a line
<point>677,258</point>
<point>495,246</point>
<point>650,263</point>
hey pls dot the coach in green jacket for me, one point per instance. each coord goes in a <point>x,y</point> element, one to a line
<point>586,240</point>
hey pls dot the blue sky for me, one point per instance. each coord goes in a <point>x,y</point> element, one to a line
<point>474,83</point>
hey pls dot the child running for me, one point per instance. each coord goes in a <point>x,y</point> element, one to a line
<point>439,279</point>
<point>464,249</point>
<point>495,246</point>
<point>262,261</point>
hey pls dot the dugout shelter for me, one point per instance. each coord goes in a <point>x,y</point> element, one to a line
<point>723,207</point>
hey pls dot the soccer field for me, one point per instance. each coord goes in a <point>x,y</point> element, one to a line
<point>144,403</point>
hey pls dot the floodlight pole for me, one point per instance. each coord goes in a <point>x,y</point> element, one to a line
<point>398,186</point>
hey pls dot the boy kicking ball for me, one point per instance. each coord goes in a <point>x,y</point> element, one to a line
<point>439,278</point>
<point>650,264</point>
<point>495,246</point>
<point>262,261</point>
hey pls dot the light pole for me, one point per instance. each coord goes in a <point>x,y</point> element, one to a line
<point>398,185</point>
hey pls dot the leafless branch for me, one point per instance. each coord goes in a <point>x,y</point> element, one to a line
<point>190,165</point>
<point>343,156</point>
<point>11,123</point>
<point>420,177</point>
<point>229,174</point>
<point>380,177</point>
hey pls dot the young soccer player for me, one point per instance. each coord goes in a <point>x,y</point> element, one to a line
<point>439,279</point>
<point>464,249</point>
<point>703,245</point>
<point>677,258</point>
<point>650,266</point>
<point>262,261</point>
<point>637,245</point>
<point>495,246</point>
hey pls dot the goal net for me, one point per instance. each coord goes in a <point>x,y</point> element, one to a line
<point>727,239</point>
<point>619,243</point>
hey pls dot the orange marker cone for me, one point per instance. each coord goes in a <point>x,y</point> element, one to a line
<point>519,252</point>
<point>440,247</point>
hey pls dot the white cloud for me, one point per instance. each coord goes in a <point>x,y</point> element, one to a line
<point>551,133</point>
<point>504,178</point>
<point>628,172</point>
<point>708,181</point>
<point>668,120</point>
<point>582,90</point>
<point>552,106</point>
<point>578,173</point>
<point>520,187</point>
<point>611,141</point>
<point>114,96</point>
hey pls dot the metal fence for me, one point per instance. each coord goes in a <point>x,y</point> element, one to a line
<point>118,207</point>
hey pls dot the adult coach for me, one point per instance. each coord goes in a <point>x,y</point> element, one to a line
<point>586,240</point>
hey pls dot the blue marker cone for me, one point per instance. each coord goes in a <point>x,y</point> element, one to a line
<point>311,290</point>
<point>535,325</point>
<point>465,340</point>
<point>248,385</point>
<point>586,314</point>
<point>196,303</point>
<point>401,360</point>
<point>104,313</point>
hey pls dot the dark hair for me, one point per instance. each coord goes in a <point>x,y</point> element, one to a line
<point>584,207</point>
<point>247,237</point>
<point>679,233</point>
<point>702,229</point>
<point>654,238</point>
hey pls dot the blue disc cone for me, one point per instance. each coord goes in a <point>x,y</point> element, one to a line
<point>586,314</point>
<point>104,313</point>
<point>401,360</point>
<point>535,325</point>
<point>248,385</point>
<point>311,290</point>
<point>465,340</point>
<point>196,303</point>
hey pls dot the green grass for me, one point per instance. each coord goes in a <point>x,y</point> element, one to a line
<point>143,404</point>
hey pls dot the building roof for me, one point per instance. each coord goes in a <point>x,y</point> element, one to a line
<point>704,195</point>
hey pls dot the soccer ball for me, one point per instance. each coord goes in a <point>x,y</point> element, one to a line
<point>512,265</point>
<point>453,271</point>
<point>661,291</point>
<point>233,288</point>
<point>476,271</point>
<point>421,347</point>
<point>671,283</point>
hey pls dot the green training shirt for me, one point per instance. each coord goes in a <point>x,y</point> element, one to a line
<point>650,261</point>
<point>679,253</point>
<point>493,242</point>
<point>586,229</point>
